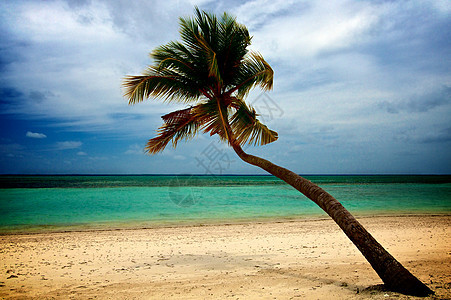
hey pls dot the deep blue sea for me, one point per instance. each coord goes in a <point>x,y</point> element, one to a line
<point>53,203</point>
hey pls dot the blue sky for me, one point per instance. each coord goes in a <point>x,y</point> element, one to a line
<point>361,87</point>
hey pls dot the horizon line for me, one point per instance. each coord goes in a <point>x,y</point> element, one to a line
<point>229,174</point>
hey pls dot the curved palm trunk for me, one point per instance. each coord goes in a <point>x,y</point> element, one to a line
<point>393,274</point>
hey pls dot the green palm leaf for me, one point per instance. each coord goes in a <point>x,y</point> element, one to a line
<point>209,116</point>
<point>248,129</point>
<point>253,71</point>
<point>211,68</point>
<point>178,125</point>
<point>166,83</point>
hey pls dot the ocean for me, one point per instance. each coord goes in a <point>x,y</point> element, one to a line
<point>64,203</point>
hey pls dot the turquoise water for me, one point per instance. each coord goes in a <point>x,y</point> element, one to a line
<point>30,203</point>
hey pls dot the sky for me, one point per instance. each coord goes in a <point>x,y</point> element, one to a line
<point>360,87</point>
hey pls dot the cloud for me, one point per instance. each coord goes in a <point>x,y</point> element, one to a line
<point>320,27</point>
<point>35,135</point>
<point>135,149</point>
<point>12,150</point>
<point>334,42</point>
<point>81,153</point>
<point>72,69</point>
<point>9,94</point>
<point>367,69</point>
<point>39,96</point>
<point>68,145</point>
<point>442,136</point>
<point>99,158</point>
<point>419,104</point>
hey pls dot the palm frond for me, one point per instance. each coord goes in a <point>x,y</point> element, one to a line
<point>209,117</point>
<point>254,70</point>
<point>166,84</point>
<point>173,56</point>
<point>178,125</point>
<point>210,59</point>
<point>248,129</point>
<point>234,41</point>
<point>212,68</point>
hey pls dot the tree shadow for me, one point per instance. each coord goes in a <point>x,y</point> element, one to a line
<point>372,290</point>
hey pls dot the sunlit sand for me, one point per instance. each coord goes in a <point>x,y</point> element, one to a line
<point>306,259</point>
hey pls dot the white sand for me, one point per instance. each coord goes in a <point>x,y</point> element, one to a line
<point>280,260</point>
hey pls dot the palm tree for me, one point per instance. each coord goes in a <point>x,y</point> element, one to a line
<point>212,70</point>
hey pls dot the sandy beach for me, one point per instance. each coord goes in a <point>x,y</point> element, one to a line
<point>302,259</point>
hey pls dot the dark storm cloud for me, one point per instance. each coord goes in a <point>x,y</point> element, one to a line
<point>417,39</point>
<point>11,50</point>
<point>9,95</point>
<point>39,96</point>
<point>442,136</point>
<point>419,104</point>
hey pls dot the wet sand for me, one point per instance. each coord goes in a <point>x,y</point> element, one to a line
<point>304,259</point>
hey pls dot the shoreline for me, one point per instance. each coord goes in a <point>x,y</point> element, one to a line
<point>305,259</point>
<point>143,225</point>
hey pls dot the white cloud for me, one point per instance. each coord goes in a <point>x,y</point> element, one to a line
<point>99,158</point>
<point>68,145</point>
<point>54,21</point>
<point>35,135</point>
<point>343,64</point>
<point>314,29</point>
<point>81,153</point>
<point>135,149</point>
<point>255,13</point>
<point>442,6</point>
